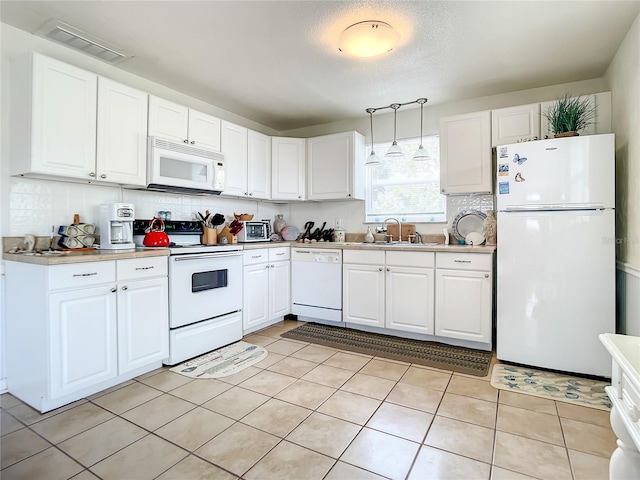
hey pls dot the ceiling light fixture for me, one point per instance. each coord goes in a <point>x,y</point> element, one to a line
<point>421,154</point>
<point>394,150</point>
<point>373,158</point>
<point>368,39</point>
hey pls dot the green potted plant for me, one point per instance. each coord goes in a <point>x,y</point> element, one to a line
<point>568,115</point>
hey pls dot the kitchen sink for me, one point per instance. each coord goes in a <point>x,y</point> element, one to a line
<point>392,244</point>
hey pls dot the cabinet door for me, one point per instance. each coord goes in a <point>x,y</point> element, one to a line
<point>63,119</point>
<point>83,339</point>
<point>204,131</point>
<point>329,166</point>
<point>259,165</point>
<point>465,153</point>
<point>463,305</point>
<point>279,290</point>
<point>287,168</point>
<point>233,141</point>
<point>168,120</point>
<point>122,134</point>
<point>363,295</point>
<point>409,297</point>
<point>143,323</point>
<point>509,125</point>
<point>255,308</point>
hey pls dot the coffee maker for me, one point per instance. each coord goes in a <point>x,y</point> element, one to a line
<point>116,226</point>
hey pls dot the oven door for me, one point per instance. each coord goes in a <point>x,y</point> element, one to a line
<point>204,286</point>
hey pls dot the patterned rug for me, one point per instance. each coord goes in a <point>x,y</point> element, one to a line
<point>222,362</point>
<point>551,385</point>
<point>432,354</point>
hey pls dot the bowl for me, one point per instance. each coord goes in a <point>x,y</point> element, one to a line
<point>245,217</point>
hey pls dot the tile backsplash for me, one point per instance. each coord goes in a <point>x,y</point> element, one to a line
<point>36,205</point>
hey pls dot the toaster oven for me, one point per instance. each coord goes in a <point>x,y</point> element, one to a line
<point>254,231</point>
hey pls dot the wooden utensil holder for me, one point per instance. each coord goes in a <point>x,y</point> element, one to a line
<point>209,236</point>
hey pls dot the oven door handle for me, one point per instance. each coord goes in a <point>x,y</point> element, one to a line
<point>180,258</point>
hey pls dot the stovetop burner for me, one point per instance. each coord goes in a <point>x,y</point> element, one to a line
<point>185,237</point>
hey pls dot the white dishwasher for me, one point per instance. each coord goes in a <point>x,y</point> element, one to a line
<point>316,283</point>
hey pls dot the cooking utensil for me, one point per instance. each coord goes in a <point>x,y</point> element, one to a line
<point>155,236</point>
<point>217,219</point>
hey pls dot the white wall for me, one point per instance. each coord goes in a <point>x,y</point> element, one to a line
<point>623,76</point>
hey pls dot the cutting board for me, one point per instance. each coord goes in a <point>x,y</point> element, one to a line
<point>407,229</point>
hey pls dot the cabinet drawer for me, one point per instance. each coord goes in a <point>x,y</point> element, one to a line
<point>363,257</point>
<point>465,261</point>
<point>251,257</point>
<point>134,268</point>
<point>79,275</point>
<point>279,253</point>
<point>411,259</point>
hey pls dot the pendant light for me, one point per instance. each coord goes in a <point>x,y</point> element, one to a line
<point>373,158</point>
<point>394,150</point>
<point>421,154</point>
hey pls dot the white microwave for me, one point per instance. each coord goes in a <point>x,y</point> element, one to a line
<point>183,168</point>
<point>255,231</point>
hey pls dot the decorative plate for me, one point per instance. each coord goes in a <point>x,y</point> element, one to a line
<point>289,233</point>
<point>466,222</point>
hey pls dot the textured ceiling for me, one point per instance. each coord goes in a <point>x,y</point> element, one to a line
<point>277,62</point>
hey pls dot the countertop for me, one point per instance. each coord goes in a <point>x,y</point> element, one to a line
<point>625,349</point>
<point>405,247</point>
<point>84,256</point>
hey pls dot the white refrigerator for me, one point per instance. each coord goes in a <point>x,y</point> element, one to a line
<point>556,253</point>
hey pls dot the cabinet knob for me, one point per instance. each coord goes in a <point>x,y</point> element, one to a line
<point>92,174</point>
<point>388,269</point>
<point>486,275</point>
<point>380,269</point>
<point>125,288</point>
<point>349,195</point>
<point>103,176</point>
<point>192,142</point>
<point>251,194</point>
<point>442,190</point>
<point>266,266</point>
<point>246,193</point>
<point>272,265</point>
<point>113,290</point>
<point>185,141</point>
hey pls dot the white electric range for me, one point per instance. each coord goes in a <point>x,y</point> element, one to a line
<point>205,291</point>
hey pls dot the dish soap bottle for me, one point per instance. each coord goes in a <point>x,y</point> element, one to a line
<point>368,238</point>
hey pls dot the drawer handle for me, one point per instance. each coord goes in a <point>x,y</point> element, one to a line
<point>280,253</point>
<point>85,274</point>
<point>145,268</point>
<point>462,261</point>
<point>256,256</point>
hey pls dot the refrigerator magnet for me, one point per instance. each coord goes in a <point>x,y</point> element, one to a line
<point>518,159</point>
<point>504,152</point>
<point>503,188</point>
<point>503,170</point>
<point>519,177</point>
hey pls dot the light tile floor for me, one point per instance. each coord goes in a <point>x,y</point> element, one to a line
<point>307,412</point>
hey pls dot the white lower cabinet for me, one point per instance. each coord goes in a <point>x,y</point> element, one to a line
<point>76,329</point>
<point>464,296</point>
<point>267,287</point>
<point>392,290</point>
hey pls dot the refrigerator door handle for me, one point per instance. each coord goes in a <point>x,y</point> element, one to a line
<point>546,208</point>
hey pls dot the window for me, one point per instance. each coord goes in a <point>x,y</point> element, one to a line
<point>403,188</point>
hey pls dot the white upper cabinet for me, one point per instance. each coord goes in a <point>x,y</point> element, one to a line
<point>234,141</point>
<point>335,167</point>
<point>247,156</point>
<point>180,124</point>
<point>121,155</point>
<point>258,165</point>
<point>509,125</point>
<point>288,168</point>
<point>465,153</point>
<point>53,118</point>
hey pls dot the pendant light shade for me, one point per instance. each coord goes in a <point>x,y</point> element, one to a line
<point>373,159</point>
<point>394,150</point>
<point>421,154</point>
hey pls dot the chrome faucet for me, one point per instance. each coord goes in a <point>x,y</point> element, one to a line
<point>384,229</point>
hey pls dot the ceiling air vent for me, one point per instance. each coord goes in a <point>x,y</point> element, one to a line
<point>82,41</point>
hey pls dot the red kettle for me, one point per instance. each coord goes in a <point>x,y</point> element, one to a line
<point>155,236</point>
